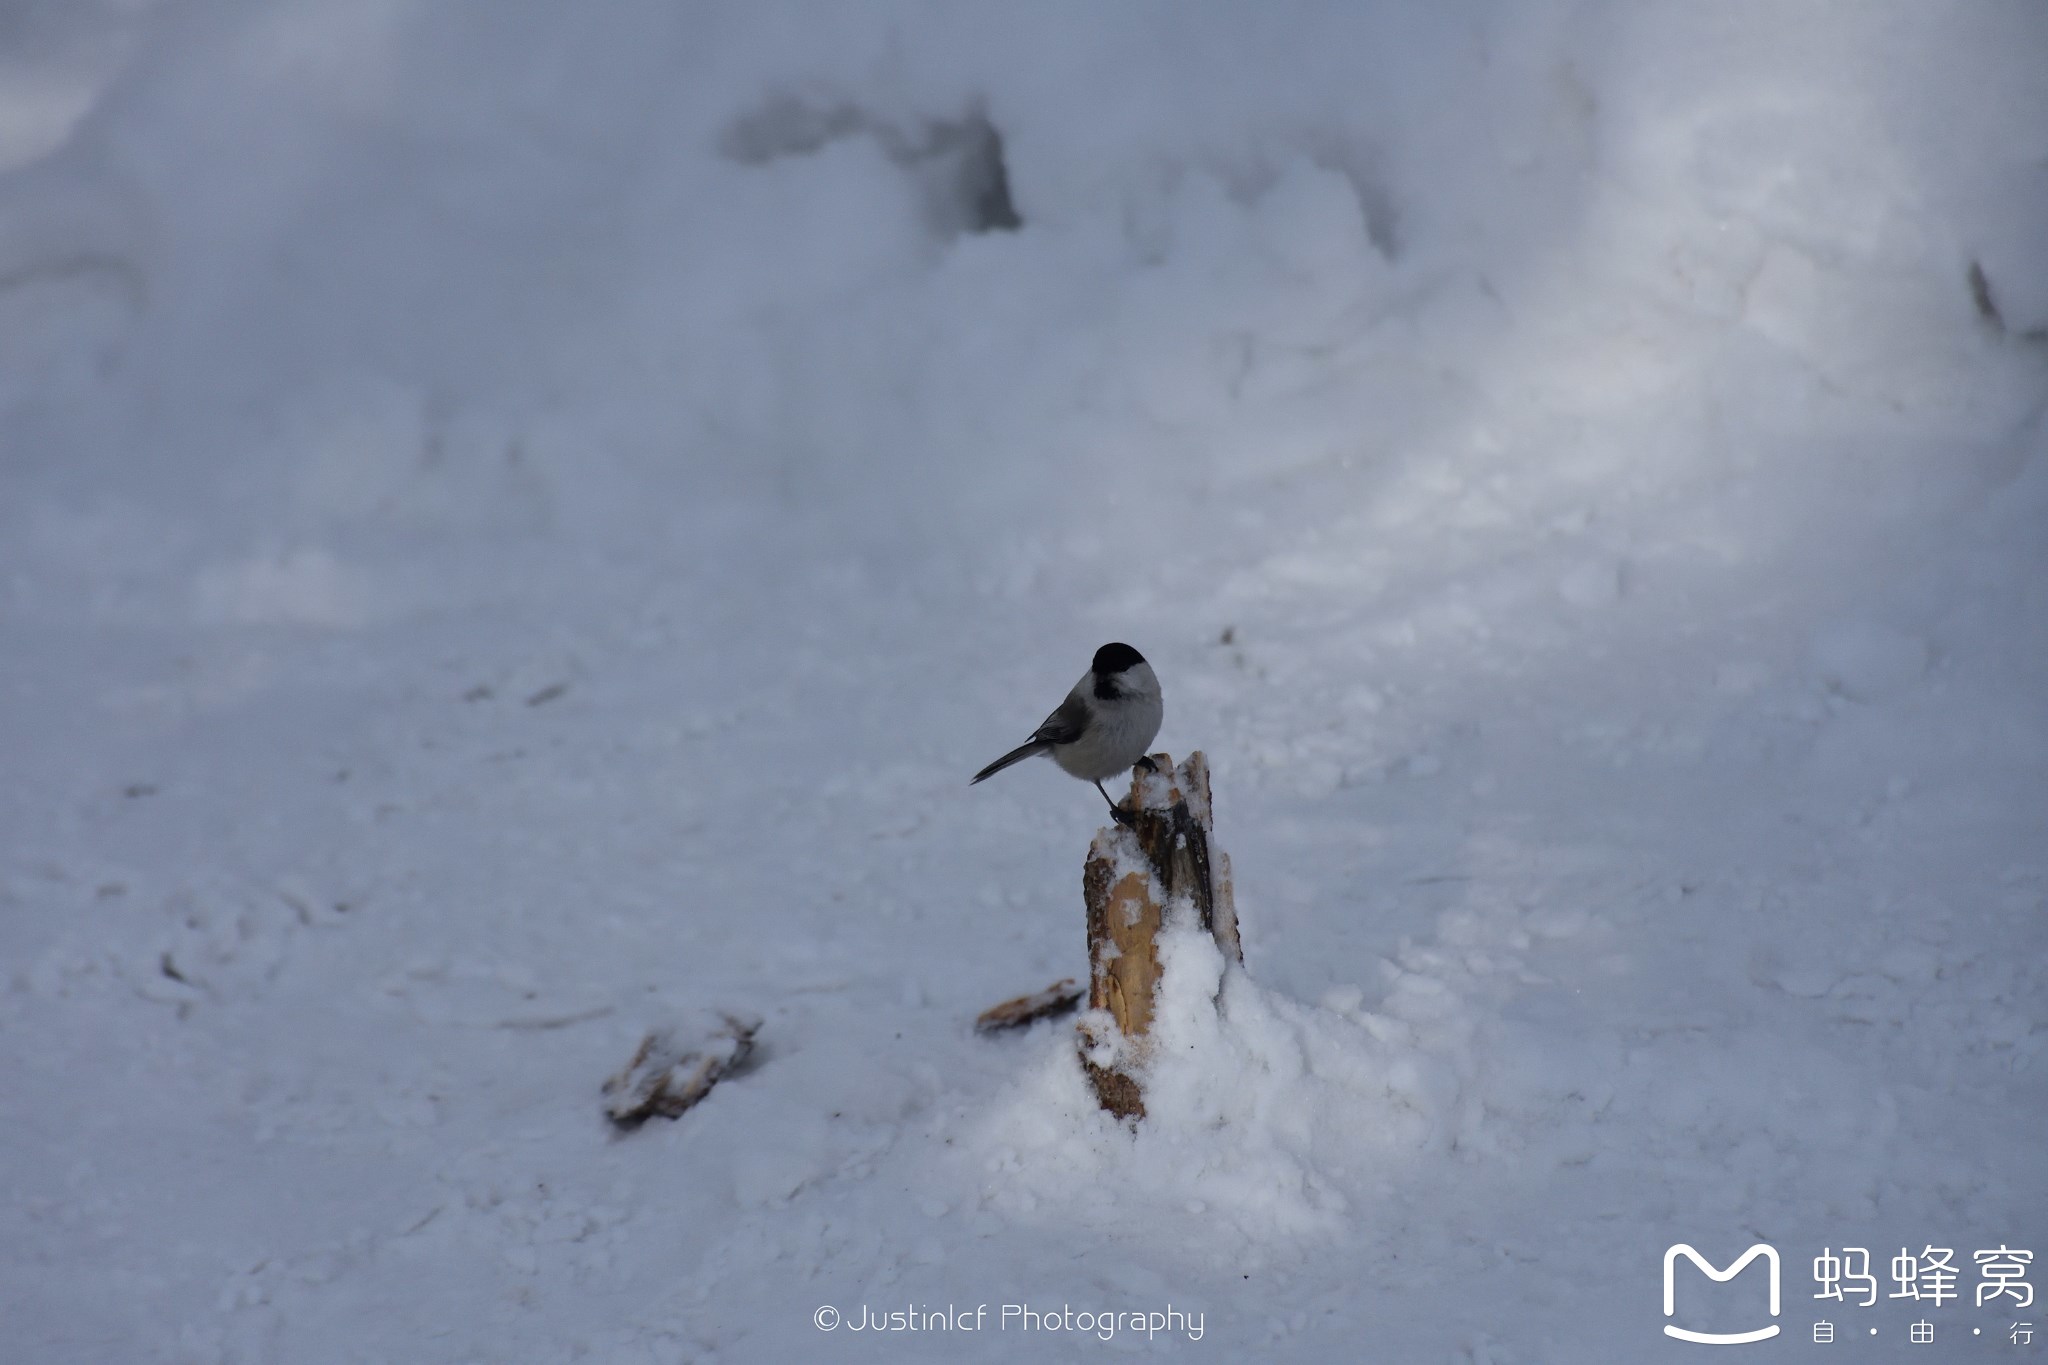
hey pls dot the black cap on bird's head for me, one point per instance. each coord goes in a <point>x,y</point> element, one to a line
<point>1115,658</point>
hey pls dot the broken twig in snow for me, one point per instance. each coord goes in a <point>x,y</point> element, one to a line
<point>668,1075</point>
<point>1061,997</point>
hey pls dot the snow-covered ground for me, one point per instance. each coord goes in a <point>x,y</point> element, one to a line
<point>518,520</point>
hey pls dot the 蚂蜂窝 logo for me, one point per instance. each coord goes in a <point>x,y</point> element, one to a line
<point>1677,1249</point>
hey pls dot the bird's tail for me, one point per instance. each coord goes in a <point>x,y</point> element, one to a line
<point>1016,755</point>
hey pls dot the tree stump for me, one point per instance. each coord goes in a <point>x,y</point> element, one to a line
<point>1134,874</point>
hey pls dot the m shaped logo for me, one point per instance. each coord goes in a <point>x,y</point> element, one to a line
<point>1671,1255</point>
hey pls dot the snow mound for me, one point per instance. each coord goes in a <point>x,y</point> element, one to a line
<point>1267,1115</point>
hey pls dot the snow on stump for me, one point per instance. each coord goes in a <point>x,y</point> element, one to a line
<point>1137,875</point>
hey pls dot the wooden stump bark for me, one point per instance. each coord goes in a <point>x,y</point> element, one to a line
<point>1133,875</point>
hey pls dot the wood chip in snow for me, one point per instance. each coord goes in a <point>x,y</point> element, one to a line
<point>670,1073</point>
<point>1061,997</point>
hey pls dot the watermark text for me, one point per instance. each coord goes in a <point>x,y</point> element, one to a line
<point>1105,1324</point>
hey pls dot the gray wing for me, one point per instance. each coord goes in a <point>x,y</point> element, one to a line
<point>1064,725</point>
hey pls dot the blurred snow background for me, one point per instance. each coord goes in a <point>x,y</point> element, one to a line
<point>517,522</point>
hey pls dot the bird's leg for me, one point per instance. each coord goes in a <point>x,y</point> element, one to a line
<point>1116,812</point>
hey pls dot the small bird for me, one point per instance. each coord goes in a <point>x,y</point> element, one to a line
<point>1103,727</point>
